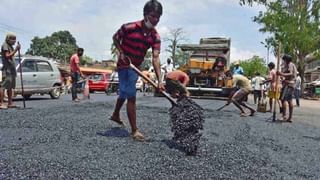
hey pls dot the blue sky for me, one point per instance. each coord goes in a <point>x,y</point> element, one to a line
<point>93,22</point>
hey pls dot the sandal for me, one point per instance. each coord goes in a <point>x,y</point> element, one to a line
<point>137,136</point>
<point>289,120</point>
<point>118,121</point>
<point>243,115</point>
<point>252,113</point>
<point>3,107</point>
<point>12,106</point>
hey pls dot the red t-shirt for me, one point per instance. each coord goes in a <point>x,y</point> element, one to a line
<point>135,42</point>
<point>74,60</point>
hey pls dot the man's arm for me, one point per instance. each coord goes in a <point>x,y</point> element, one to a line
<point>9,55</point>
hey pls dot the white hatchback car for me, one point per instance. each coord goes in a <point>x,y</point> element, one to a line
<point>40,76</point>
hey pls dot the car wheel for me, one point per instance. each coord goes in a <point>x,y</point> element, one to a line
<point>27,96</point>
<point>55,93</point>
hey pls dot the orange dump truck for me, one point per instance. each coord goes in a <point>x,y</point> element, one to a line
<point>207,65</point>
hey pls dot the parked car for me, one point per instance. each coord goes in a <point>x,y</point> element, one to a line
<point>314,83</point>
<point>40,76</point>
<point>139,84</point>
<point>99,82</point>
<point>0,70</point>
<point>114,83</point>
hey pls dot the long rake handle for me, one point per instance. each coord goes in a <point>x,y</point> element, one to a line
<point>152,83</point>
<point>277,85</point>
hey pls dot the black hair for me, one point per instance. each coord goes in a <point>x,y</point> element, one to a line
<point>152,5</point>
<point>271,65</point>
<point>287,57</point>
<point>80,49</point>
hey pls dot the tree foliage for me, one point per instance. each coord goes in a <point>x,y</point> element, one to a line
<point>250,2</point>
<point>60,45</point>
<point>182,57</point>
<point>253,65</point>
<point>175,36</point>
<point>147,63</point>
<point>293,23</point>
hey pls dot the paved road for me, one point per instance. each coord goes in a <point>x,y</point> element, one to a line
<point>59,139</point>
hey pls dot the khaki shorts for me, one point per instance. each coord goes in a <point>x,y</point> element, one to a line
<point>240,95</point>
<point>8,82</point>
<point>273,94</point>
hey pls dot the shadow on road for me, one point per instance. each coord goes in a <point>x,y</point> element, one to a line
<point>115,132</point>
<point>173,145</point>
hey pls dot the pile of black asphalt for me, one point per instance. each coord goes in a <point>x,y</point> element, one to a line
<point>187,118</point>
<point>76,141</point>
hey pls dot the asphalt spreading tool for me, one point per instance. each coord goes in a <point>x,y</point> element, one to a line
<point>220,108</point>
<point>21,79</point>
<point>186,117</point>
<point>262,104</point>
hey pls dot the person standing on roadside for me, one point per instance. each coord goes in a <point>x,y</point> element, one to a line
<point>257,87</point>
<point>167,67</point>
<point>132,41</point>
<point>75,72</point>
<point>237,69</point>
<point>9,72</point>
<point>297,89</point>
<point>273,92</point>
<point>289,72</point>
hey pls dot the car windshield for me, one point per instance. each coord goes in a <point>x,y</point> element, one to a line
<point>96,77</point>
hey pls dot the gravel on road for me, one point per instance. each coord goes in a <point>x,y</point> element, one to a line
<point>76,141</point>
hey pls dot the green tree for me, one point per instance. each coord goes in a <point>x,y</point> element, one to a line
<point>86,60</point>
<point>250,2</point>
<point>60,45</point>
<point>114,52</point>
<point>175,36</point>
<point>253,65</point>
<point>182,57</point>
<point>147,63</point>
<point>295,24</point>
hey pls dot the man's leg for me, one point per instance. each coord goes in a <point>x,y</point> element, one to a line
<point>10,93</point>
<point>290,111</point>
<point>1,97</point>
<point>74,86</point>
<point>297,96</point>
<point>237,96</point>
<point>255,96</point>
<point>252,111</point>
<point>116,113</point>
<point>284,109</point>
<point>131,112</point>
<point>270,103</point>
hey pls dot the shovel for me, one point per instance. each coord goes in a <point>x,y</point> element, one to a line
<point>152,83</point>
<point>220,108</point>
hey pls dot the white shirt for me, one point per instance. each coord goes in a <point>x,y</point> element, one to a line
<point>256,81</point>
<point>168,67</point>
<point>298,83</point>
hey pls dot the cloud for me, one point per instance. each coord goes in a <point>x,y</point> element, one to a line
<point>94,22</point>
<point>241,54</point>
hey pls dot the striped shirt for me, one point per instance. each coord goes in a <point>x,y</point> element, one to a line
<point>135,42</point>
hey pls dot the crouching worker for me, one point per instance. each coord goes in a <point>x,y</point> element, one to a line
<point>242,89</point>
<point>176,82</point>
